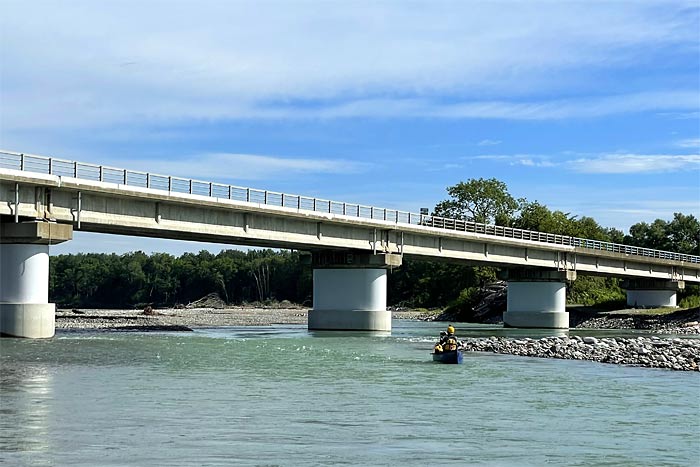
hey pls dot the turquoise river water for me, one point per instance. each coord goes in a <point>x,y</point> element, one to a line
<point>284,396</point>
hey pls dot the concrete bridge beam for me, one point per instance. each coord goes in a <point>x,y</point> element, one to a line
<point>537,299</point>
<point>652,293</point>
<point>25,310</point>
<point>349,291</point>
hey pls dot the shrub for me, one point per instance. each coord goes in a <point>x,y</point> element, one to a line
<point>691,301</point>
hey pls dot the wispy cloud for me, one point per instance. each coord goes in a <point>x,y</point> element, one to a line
<point>529,160</point>
<point>689,143</point>
<point>635,163</point>
<point>229,60</point>
<point>488,142</point>
<point>218,166</point>
<point>604,163</point>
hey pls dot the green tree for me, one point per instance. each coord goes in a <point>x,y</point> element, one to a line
<point>681,235</point>
<point>536,216</point>
<point>684,232</point>
<point>484,201</point>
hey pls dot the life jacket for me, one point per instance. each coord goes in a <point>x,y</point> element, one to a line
<point>437,348</point>
<point>450,343</point>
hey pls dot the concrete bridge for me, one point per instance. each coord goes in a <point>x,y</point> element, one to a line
<point>42,200</point>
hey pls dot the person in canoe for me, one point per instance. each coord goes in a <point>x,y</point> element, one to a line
<point>438,346</point>
<point>448,341</point>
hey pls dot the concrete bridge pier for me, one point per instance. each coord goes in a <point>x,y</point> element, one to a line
<point>537,299</point>
<point>652,293</point>
<point>349,291</point>
<point>25,310</point>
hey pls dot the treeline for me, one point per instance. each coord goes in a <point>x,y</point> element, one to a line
<point>136,279</point>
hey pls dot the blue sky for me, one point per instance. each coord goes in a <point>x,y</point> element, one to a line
<point>589,107</point>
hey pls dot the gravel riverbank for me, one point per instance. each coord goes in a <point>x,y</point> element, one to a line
<point>177,319</point>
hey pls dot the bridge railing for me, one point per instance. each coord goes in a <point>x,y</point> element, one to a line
<point>101,173</point>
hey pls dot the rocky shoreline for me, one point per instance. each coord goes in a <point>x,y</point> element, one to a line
<point>652,352</point>
<point>671,353</point>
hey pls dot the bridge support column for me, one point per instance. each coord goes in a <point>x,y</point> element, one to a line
<point>25,310</point>
<point>652,293</point>
<point>349,291</point>
<point>537,299</point>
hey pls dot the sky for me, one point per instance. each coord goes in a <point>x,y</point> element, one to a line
<point>590,107</point>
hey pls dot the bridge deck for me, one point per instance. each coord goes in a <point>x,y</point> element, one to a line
<point>111,200</point>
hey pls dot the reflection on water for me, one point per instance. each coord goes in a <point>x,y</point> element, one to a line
<point>26,396</point>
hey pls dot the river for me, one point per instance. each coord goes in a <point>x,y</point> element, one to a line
<point>281,395</point>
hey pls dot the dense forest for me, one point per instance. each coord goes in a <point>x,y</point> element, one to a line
<point>136,279</point>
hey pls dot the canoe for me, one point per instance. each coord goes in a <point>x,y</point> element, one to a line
<point>453,356</point>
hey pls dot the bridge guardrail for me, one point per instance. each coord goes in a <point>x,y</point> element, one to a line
<point>101,173</point>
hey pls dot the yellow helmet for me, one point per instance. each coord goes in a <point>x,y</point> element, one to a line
<point>450,329</point>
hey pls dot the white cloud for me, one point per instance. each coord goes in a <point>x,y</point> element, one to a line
<point>689,143</point>
<point>243,166</point>
<point>488,142</point>
<point>606,163</point>
<point>97,63</point>
<point>636,163</point>
<point>529,160</point>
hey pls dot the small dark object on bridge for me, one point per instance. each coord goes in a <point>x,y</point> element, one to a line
<point>77,312</point>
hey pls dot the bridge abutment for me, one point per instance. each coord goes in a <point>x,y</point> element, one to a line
<point>652,293</point>
<point>25,310</point>
<point>537,299</point>
<point>349,291</point>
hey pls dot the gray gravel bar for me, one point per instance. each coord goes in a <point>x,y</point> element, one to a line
<point>173,319</point>
<point>652,352</point>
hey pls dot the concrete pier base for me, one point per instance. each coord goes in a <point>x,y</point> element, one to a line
<point>31,320</point>
<point>651,293</point>
<point>25,310</point>
<point>537,299</point>
<point>349,292</point>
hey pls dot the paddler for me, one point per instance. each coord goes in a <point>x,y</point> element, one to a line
<point>450,342</point>
<point>438,348</point>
